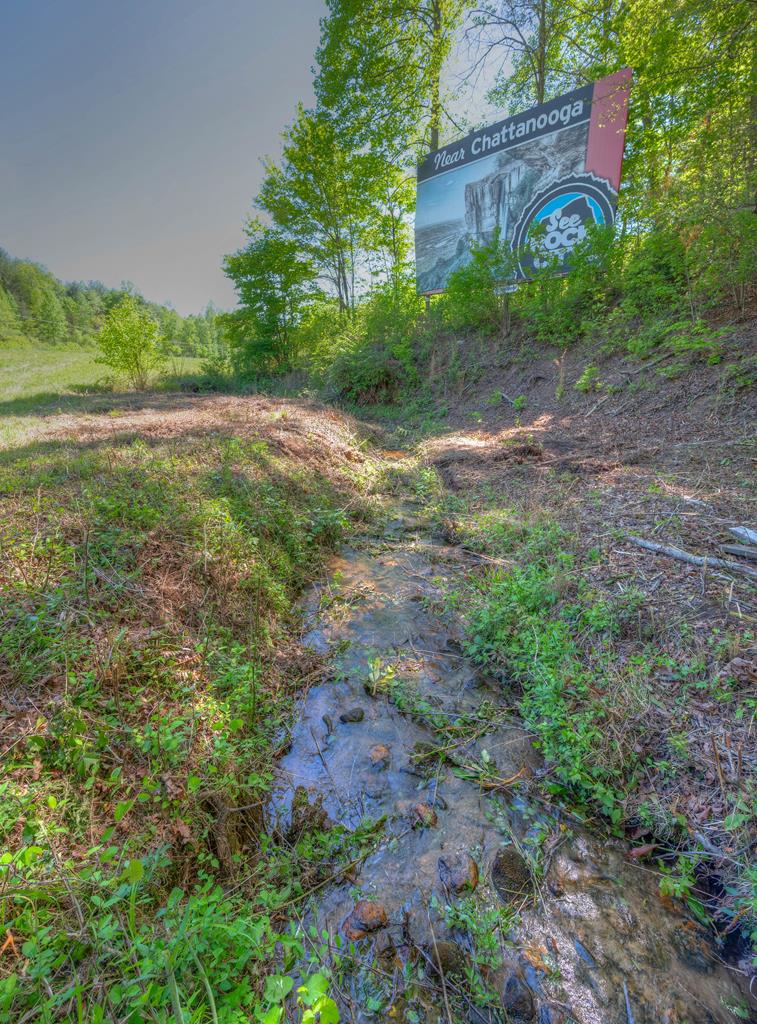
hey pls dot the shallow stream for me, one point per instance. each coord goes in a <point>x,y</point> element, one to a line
<point>588,937</point>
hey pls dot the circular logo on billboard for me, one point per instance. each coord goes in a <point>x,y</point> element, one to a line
<point>558,218</point>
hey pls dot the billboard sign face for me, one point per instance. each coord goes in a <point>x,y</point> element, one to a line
<point>556,166</point>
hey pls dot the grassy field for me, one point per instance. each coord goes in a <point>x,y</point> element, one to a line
<point>37,381</point>
<point>151,549</point>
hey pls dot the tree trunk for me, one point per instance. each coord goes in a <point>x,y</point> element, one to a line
<point>436,71</point>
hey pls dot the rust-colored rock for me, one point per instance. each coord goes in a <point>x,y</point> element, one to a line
<point>424,816</point>
<point>458,872</point>
<point>367,916</point>
<point>379,756</point>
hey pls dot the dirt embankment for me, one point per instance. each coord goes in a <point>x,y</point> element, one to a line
<point>669,459</point>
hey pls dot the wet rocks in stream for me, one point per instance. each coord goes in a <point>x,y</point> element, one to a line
<point>423,815</point>
<point>352,715</point>
<point>599,926</point>
<point>458,872</point>
<point>511,875</point>
<point>379,756</point>
<point>367,916</point>
<point>518,1001</point>
<point>448,957</point>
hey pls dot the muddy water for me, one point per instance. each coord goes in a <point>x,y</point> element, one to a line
<point>591,941</point>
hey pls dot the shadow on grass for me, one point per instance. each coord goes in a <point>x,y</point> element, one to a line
<point>57,452</point>
<point>99,398</point>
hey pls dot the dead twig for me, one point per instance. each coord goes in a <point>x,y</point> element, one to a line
<point>741,549</point>
<point>440,968</point>
<point>707,561</point>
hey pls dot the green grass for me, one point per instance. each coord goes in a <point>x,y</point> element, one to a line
<point>29,372</point>
<point>612,695</point>
<point>37,381</point>
<point>147,587</point>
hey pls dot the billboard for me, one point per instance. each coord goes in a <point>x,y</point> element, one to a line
<point>557,165</point>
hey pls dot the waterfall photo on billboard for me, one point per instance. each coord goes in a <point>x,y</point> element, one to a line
<point>557,166</point>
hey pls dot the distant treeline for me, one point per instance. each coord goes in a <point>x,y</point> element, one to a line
<point>37,307</point>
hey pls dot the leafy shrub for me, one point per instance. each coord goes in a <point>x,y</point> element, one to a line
<point>375,358</point>
<point>654,277</point>
<point>589,380</point>
<point>561,309</point>
<point>476,296</point>
<point>131,342</point>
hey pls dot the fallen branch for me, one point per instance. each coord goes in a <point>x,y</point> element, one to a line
<point>684,556</point>
<point>743,534</point>
<point>507,562</point>
<point>741,549</point>
<point>649,365</point>
<point>597,405</point>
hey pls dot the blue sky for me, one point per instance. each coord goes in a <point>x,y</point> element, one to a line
<point>131,133</point>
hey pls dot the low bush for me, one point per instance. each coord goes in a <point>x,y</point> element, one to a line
<point>587,665</point>
<point>373,358</point>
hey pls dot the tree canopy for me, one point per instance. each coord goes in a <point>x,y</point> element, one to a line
<point>389,78</point>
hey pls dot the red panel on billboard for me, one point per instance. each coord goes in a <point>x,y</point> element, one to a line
<point>607,128</point>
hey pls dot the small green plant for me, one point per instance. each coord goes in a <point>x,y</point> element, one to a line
<point>679,882</point>
<point>589,380</point>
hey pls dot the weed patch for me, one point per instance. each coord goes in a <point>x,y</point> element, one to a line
<point>616,703</point>
<point>148,672</point>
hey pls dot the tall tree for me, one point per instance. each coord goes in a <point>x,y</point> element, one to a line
<point>381,66</point>
<point>526,39</point>
<point>274,283</point>
<point>321,196</point>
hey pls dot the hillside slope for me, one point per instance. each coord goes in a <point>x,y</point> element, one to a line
<point>152,549</point>
<point>635,669</point>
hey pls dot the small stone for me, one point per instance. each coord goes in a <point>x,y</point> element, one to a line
<point>367,916</point>
<point>584,953</point>
<point>379,756</point>
<point>458,872</point>
<point>448,957</point>
<point>352,715</point>
<point>375,786</point>
<point>511,875</point>
<point>742,670</point>
<point>424,815</point>
<point>517,1001</point>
